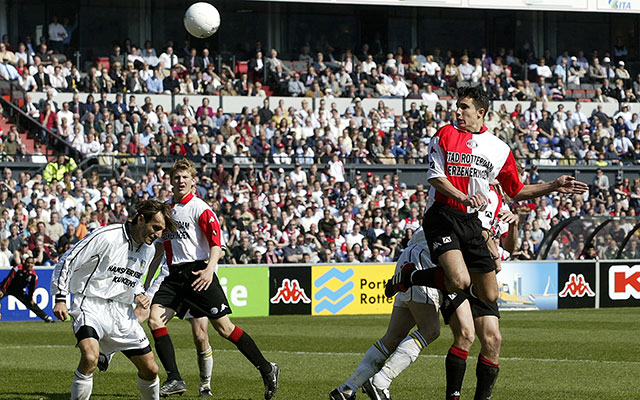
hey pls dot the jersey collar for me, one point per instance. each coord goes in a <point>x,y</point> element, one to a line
<point>482,130</point>
<point>186,198</point>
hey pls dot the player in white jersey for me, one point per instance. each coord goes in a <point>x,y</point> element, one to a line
<point>192,253</point>
<point>417,306</point>
<point>103,272</point>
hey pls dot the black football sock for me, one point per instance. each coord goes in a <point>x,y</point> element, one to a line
<point>249,349</point>
<point>166,353</point>
<point>431,277</point>
<point>455,364</point>
<point>487,373</point>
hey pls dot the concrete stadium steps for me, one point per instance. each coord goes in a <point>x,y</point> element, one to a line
<point>5,125</point>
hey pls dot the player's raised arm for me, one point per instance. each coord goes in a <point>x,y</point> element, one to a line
<point>563,184</point>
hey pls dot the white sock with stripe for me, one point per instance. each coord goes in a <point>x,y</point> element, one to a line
<point>371,362</point>
<point>150,390</point>
<point>205,364</point>
<point>406,353</point>
<point>82,386</point>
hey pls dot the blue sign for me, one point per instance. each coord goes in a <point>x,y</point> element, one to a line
<point>332,290</point>
<point>14,310</point>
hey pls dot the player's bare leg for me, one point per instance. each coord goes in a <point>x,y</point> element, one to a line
<point>451,275</point>
<point>158,319</point>
<point>461,324</point>
<point>269,371</point>
<point>426,318</point>
<point>148,382</point>
<point>455,271</point>
<point>83,380</point>
<point>199,329</point>
<point>488,330</point>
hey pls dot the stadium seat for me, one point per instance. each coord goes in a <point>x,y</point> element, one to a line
<point>461,84</point>
<point>555,141</point>
<point>103,62</point>
<point>557,149</point>
<point>441,92</point>
<point>579,94</point>
<point>299,66</point>
<point>242,67</point>
<point>573,86</point>
<point>587,87</point>
<point>543,140</point>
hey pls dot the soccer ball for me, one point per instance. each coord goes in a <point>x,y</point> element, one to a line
<point>202,20</point>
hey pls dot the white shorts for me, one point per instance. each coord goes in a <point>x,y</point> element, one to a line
<point>418,254</point>
<point>417,294</point>
<point>114,322</point>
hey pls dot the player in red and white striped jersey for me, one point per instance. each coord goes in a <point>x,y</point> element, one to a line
<point>463,161</point>
<point>192,253</point>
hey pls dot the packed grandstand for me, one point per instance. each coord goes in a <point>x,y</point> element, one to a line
<point>316,210</point>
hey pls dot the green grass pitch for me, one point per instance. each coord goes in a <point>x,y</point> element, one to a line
<point>562,354</point>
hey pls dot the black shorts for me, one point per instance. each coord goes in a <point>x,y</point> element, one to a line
<point>478,308</point>
<point>448,229</point>
<point>176,293</point>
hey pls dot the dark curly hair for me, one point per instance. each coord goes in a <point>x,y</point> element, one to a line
<point>477,95</point>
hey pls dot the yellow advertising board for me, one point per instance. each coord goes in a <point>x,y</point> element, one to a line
<point>350,289</point>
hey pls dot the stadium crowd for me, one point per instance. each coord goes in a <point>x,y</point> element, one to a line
<point>315,213</point>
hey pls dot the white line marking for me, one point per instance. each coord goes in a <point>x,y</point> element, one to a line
<point>350,354</point>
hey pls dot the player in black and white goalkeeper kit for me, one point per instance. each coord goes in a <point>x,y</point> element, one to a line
<point>192,253</point>
<point>103,272</point>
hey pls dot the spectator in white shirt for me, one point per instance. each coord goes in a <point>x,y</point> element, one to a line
<point>298,175</point>
<point>57,33</point>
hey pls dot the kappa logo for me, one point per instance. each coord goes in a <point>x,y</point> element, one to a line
<point>215,310</point>
<point>472,144</point>
<point>576,286</point>
<point>290,292</point>
<point>624,282</point>
<point>330,300</point>
<point>446,239</point>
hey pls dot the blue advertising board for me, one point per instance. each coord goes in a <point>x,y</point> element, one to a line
<point>13,310</point>
<point>528,286</point>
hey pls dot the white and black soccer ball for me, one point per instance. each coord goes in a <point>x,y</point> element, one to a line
<point>202,20</point>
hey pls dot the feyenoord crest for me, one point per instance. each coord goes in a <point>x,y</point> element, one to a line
<point>290,292</point>
<point>472,144</point>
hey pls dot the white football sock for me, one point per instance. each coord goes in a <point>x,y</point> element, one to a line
<point>205,363</point>
<point>150,390</point>
<point>406,353</point>
<point>81,386</point>
<point>370,364</point>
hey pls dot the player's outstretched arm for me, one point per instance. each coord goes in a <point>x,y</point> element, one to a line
<point>563,184</point>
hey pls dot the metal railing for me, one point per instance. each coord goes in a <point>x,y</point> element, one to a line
<point>53,143</point>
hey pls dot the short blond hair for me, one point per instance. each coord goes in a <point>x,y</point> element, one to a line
<point>183,164</point>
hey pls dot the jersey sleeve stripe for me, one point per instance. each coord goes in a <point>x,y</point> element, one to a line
<point>210,226</point>
<point>509,178</point>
